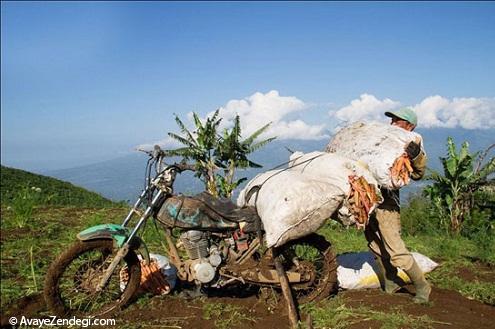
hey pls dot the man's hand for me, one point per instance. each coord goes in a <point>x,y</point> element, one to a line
<point>412,150</point>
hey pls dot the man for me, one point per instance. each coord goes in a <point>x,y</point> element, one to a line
<point>383,230</point>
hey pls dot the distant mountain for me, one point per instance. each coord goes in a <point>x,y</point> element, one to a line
<point>436,141</point>
<point>123,178</point>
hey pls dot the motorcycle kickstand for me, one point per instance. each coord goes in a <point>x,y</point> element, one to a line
<point>286,291</point>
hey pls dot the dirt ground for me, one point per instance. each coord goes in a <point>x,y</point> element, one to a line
<point>448,309</point>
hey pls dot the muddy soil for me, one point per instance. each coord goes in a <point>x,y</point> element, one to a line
<point>448,309</point>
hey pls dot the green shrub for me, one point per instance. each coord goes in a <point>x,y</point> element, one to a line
<point>479,222</point>
<point>418,216</point>
<point>23,204</point>
<point>453,193</point>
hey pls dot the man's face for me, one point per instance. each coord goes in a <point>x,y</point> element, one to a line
<point>402,123</point>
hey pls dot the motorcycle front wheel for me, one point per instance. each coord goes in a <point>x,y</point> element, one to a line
<point>71,280</point>
<point>311,256</point>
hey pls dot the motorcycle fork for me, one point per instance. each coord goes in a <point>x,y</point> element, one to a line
<point>135,208</point>
<point>124,249</point>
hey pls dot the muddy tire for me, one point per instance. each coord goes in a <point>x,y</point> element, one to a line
<point>72,278</point>
<point>316,260</point>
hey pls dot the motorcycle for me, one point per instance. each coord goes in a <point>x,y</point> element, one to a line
<point>211,242</point>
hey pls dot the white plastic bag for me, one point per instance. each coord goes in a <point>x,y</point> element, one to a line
<point>376,144</point>
<point>358,270</point>
<point>291,205</point>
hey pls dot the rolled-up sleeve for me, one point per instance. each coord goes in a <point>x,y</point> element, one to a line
<point>419,165</point>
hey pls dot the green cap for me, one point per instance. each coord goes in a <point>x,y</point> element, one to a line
<point>404,114</point>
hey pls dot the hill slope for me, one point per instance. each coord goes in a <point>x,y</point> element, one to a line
<point>53,191</point>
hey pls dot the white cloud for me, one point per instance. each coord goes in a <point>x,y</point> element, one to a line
<point>167,143</point>
<point>433,111</point>
<point>366,108</point>
<point>259,109</point>
<point>468,113</point>
<point>255,111</point>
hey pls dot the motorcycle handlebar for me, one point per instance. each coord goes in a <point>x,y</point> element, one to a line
<point>157,152</point>
<point>184,166</point>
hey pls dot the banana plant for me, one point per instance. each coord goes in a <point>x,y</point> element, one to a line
<point>199,146</point>
<point>463,174</point>
<point>232,152</point>
<point>217,156</point>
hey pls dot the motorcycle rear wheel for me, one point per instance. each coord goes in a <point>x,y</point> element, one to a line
<point>312,256</point>
<point>71,280</point>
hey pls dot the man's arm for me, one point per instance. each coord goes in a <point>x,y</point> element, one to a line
<point>418,160</point>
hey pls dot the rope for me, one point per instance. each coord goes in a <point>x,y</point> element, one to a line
<point>258,186</point>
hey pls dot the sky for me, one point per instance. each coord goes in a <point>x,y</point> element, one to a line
<point>84,82</point>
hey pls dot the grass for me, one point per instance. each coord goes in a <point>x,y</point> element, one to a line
<point>446,276</point>
<point>344,240</point>
<point>226,315</point>
<point>24,186</point>
<point>334,313</point>
<point>27,252</point>
<point>450,252</point>
<point>30,243</point>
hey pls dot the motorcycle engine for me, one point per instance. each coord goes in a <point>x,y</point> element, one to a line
<point>203,257</point>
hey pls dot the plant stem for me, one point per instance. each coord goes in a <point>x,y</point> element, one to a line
<point>32,269</point>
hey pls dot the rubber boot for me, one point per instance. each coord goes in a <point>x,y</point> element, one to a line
<point>423,288</point>
<point>388,285</point>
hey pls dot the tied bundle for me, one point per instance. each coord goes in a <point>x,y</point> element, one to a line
<point>362,198</point>
<point>152,279</point>
<point>400,171</point>
<point>381,147</point>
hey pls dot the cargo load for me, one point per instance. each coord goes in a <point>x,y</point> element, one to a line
<point>379,146</point>
<point>362,194</point>
<point>296,201</point>
<point>290,204</point>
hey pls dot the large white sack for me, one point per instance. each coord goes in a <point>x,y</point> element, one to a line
<point>330,167</point>
<point>334,169</point>
<point>291,205</point>
<point>257,181</point>
<point>358,270</point>
<point>376,144</point>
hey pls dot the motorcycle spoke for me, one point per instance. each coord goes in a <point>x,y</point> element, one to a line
<point>309,258</point>
<point>78,283</point>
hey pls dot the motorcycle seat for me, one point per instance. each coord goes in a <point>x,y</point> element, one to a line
<point>227,209</point>
<point>203,211</point>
